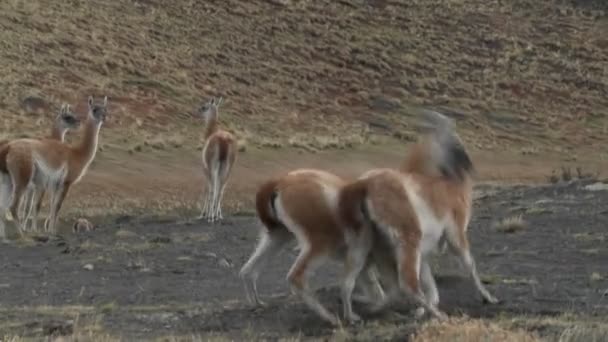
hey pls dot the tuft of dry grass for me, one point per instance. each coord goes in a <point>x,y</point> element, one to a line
<point>469,330</point>
<point>511,224</point>
<point>585,332</point>
<point>125,234</point>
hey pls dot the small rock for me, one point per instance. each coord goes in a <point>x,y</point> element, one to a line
<point>597,186</point>
<point>82,225</point>
<point>88,267</point>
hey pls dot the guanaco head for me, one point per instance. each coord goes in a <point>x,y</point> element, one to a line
<point>66,119</point>
<point>209,110</point>
<point>98,111</point>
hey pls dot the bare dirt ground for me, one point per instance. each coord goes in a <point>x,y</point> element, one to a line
<point>140,279</point>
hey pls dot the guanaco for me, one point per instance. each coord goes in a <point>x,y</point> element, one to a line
<point>219,155</point>
<point>58,165</point>
<point>303,204</point>
<point>414,209</point>
<point>64,121</point>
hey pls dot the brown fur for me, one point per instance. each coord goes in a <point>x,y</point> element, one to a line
<point>221,144</point>
<point>297,204</point>
<point>383,195</point>
<point>264,204</point>
<point>350,201</point>
<point>219,153</point>
<point>55,134</point>
<point>55,154</point>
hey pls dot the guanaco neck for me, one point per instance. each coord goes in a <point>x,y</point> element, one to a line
<point>86,150</point>
<point>211,126</point>
<point>58,132</point>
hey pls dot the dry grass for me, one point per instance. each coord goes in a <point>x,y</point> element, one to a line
<point>585,332</point>
<point>465,330</point>
<point>511,224</point>
<point>323,69</point>
<point>563,328</point>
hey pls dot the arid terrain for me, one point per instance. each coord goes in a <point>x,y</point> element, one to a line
<point>327,84</point>
<point>540,249</point>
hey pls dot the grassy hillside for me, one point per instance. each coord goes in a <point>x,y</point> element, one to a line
<point>316,73</point>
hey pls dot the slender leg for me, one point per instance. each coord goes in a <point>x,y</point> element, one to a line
<point>355,263</point>
<point>205,199</point>
<point>36,209</point>
<point>5,193</point>
<point>269,245</point>
<point>409,275</point>
<point>19,187</point>
<point>30,208</point>
<point>219,202</point>
<point>215,195</point>
<point>297,278</point>
<point>225,178</point>
<point>54,187</point>
<point>62,192</point>
<point>370,285</point>
<point>23,206</point>
<point>460,246</point>
<point>429,286</point>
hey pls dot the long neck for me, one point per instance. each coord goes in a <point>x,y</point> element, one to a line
<point>88,145</point>
<point>211,127</point>
<point>58,132</point>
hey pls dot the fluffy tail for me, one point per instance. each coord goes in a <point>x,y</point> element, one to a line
<point>265,204</point>
<point>351,204</point>
<point>441,150</point>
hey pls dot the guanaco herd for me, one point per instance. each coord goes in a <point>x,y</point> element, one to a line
<point>382,227</point>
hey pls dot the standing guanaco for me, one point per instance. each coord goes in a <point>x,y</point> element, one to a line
<point>58,165</point>
<point>64,122</point>
<point>219,155</point>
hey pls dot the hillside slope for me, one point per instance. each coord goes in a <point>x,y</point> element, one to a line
<point>313,72</point>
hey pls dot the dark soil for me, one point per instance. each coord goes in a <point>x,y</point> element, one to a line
<point>164,277</point>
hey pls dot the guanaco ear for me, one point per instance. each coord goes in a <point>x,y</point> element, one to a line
<point>90,101</point>
<point>105,101</point>
<point>219,102</point>
<point>63,109</point>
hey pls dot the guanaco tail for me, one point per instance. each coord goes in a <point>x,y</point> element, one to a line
<point>219,155</point>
